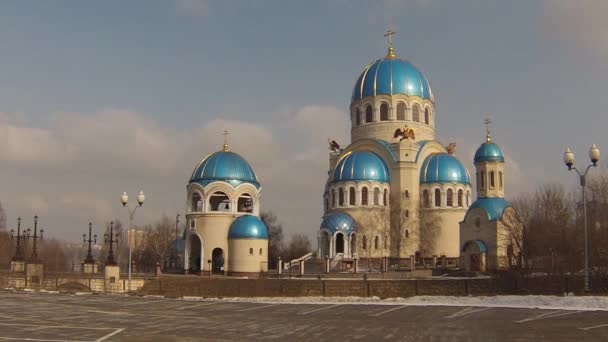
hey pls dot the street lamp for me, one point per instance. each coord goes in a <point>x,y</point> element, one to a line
<point>140,201</point>
<point>18,252</point>
<point>594,156</point>
<point>36,237</point>
<point>176,259</point>
<point>89,259</point>
<point>111,239</point>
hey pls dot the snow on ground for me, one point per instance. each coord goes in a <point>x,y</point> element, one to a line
<point>583,303</point>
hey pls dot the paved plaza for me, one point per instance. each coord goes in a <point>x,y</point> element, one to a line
<point>29,316</point>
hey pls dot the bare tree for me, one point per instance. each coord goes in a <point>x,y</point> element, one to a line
<point>298,246</point>
<point>2,218</point>
<point>158,239</point>
<point>373,233</point>
<point>275,237</point>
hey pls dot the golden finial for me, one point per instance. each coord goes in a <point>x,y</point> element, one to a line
<point>487,122</point>
<point>226,140</point>
<point>391,51</point>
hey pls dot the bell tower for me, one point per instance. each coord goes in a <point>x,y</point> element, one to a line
<point>490,165</point>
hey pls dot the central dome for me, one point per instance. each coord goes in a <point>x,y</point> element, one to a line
<point>390,76</point>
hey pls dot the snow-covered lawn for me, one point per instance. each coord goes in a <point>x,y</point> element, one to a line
<point>586,303</point>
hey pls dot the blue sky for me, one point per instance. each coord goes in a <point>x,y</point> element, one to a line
<point>101,97</point>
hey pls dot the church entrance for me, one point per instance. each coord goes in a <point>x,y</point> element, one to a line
<point>195,254</point>
<point>339,243</point>
<point>476,263</point>
<point>217,260</point>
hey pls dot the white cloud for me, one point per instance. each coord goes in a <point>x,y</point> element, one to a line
<point>581,23</point>
<point>196,8</point>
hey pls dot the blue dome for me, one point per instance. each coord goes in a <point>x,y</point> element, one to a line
<point>494,207</point>
<point>361,166</point>
<point>443,168</point>
<point>224,166</point>
<point>339,221</point>
<point>248,227</point>
<point>392,76</point>
<point>489,151</point>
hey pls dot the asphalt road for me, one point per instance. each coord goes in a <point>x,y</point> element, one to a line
<point>28,316</point>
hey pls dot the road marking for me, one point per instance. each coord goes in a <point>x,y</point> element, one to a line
<point>467,311</point>
<point>117,331</point>
<point>389,310</point>
<point>323,308</point>
<point>196,305</point>
<point>257,307</point>
<point>144,302</point>
<point>595,326</point>
<point>551,314</point>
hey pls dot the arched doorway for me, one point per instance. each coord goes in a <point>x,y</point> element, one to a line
<point>474,253</point>
<point>195,254</point>
<point>217,260</point>
<point>339,243</point>
<point>353,245</point>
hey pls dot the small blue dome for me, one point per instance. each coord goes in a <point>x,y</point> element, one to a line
<point>489,151</point>
<point>224,166</point>
<point>443,168</point>
<point>339,221</point>
<point>361,166</point>
<point>493,206</point>
<point>392,76</point>
<point>248,227</point>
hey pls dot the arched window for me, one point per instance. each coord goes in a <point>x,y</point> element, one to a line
<point>364,242</point>
<point>376,196</point>
<point>407,233</point>
<point>437,198</point>
<point>500,179</point>
<point>261,251</point>
<point>427,116</point>
<point>250,251</point>
<point>416,113</point>
<point>492,180</point>
<point>384,112</point>
<point>333,197</point>
<point>219,201</point>
<point>385,199</point>
<point>407,213</point>
<point>369,114</point>
<point>407,194</point>
<point>460,198</point>
<point>426,200</point>
<point>351,196</point>
<point>197,204</point>
<point>326,204</point>
<point>245,203</point>
<point>364,196</point>
<point>376,242</point>
<point>468,197</point>
<point>358,116</point>
<point>341,197</point>
<point>482,181</point>
<point>401,111</point>
<point>450,198</point>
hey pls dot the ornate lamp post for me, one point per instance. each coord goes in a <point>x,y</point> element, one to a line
<point>18,252</point>
<point>594,156</point>
<point>89,259</point>
<point>111,239</point>
<point>35,237</point>
<point>176,259</point>
<point>140,201</point>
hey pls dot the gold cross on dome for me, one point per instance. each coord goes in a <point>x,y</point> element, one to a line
<point>225,134</point>
<point>488,122</point>
<point>389,36</point>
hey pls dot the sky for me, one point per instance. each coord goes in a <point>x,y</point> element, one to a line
<point>97,98</point>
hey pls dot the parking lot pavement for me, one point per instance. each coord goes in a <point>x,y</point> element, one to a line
<point>58,317</point>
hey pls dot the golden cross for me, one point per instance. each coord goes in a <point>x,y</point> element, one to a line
<point>225,134</point>
<point>487,122</point>
<point>389,35</point>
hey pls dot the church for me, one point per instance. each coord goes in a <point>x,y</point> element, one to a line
<point>394,195</point>
<point>397,193</point>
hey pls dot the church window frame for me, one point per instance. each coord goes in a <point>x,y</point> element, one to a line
<point>468,198</point>
<point>250,251</point>
<point>364,196</point>
<point>384,108</point>
<point>376,197</point>
<point>401,111</point>
<point>216,199</point>
<point>500,180</point>
<point>333,198</point>
<point>482,180</point>
<point>437,198</point>
<point>416,113</point>
<point>427,116</point>
<point>376,242</point>
<point>492,179</point>
<point>196,202</point>
<point>357,117</point>
<point>351,195</point>
<point>341,197</point>
<point>369,114</point>
<point>426,199</point>
<point>460,194</point>
<point>385,198</point>
<point>364,242</point>
<point>450,198</point>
